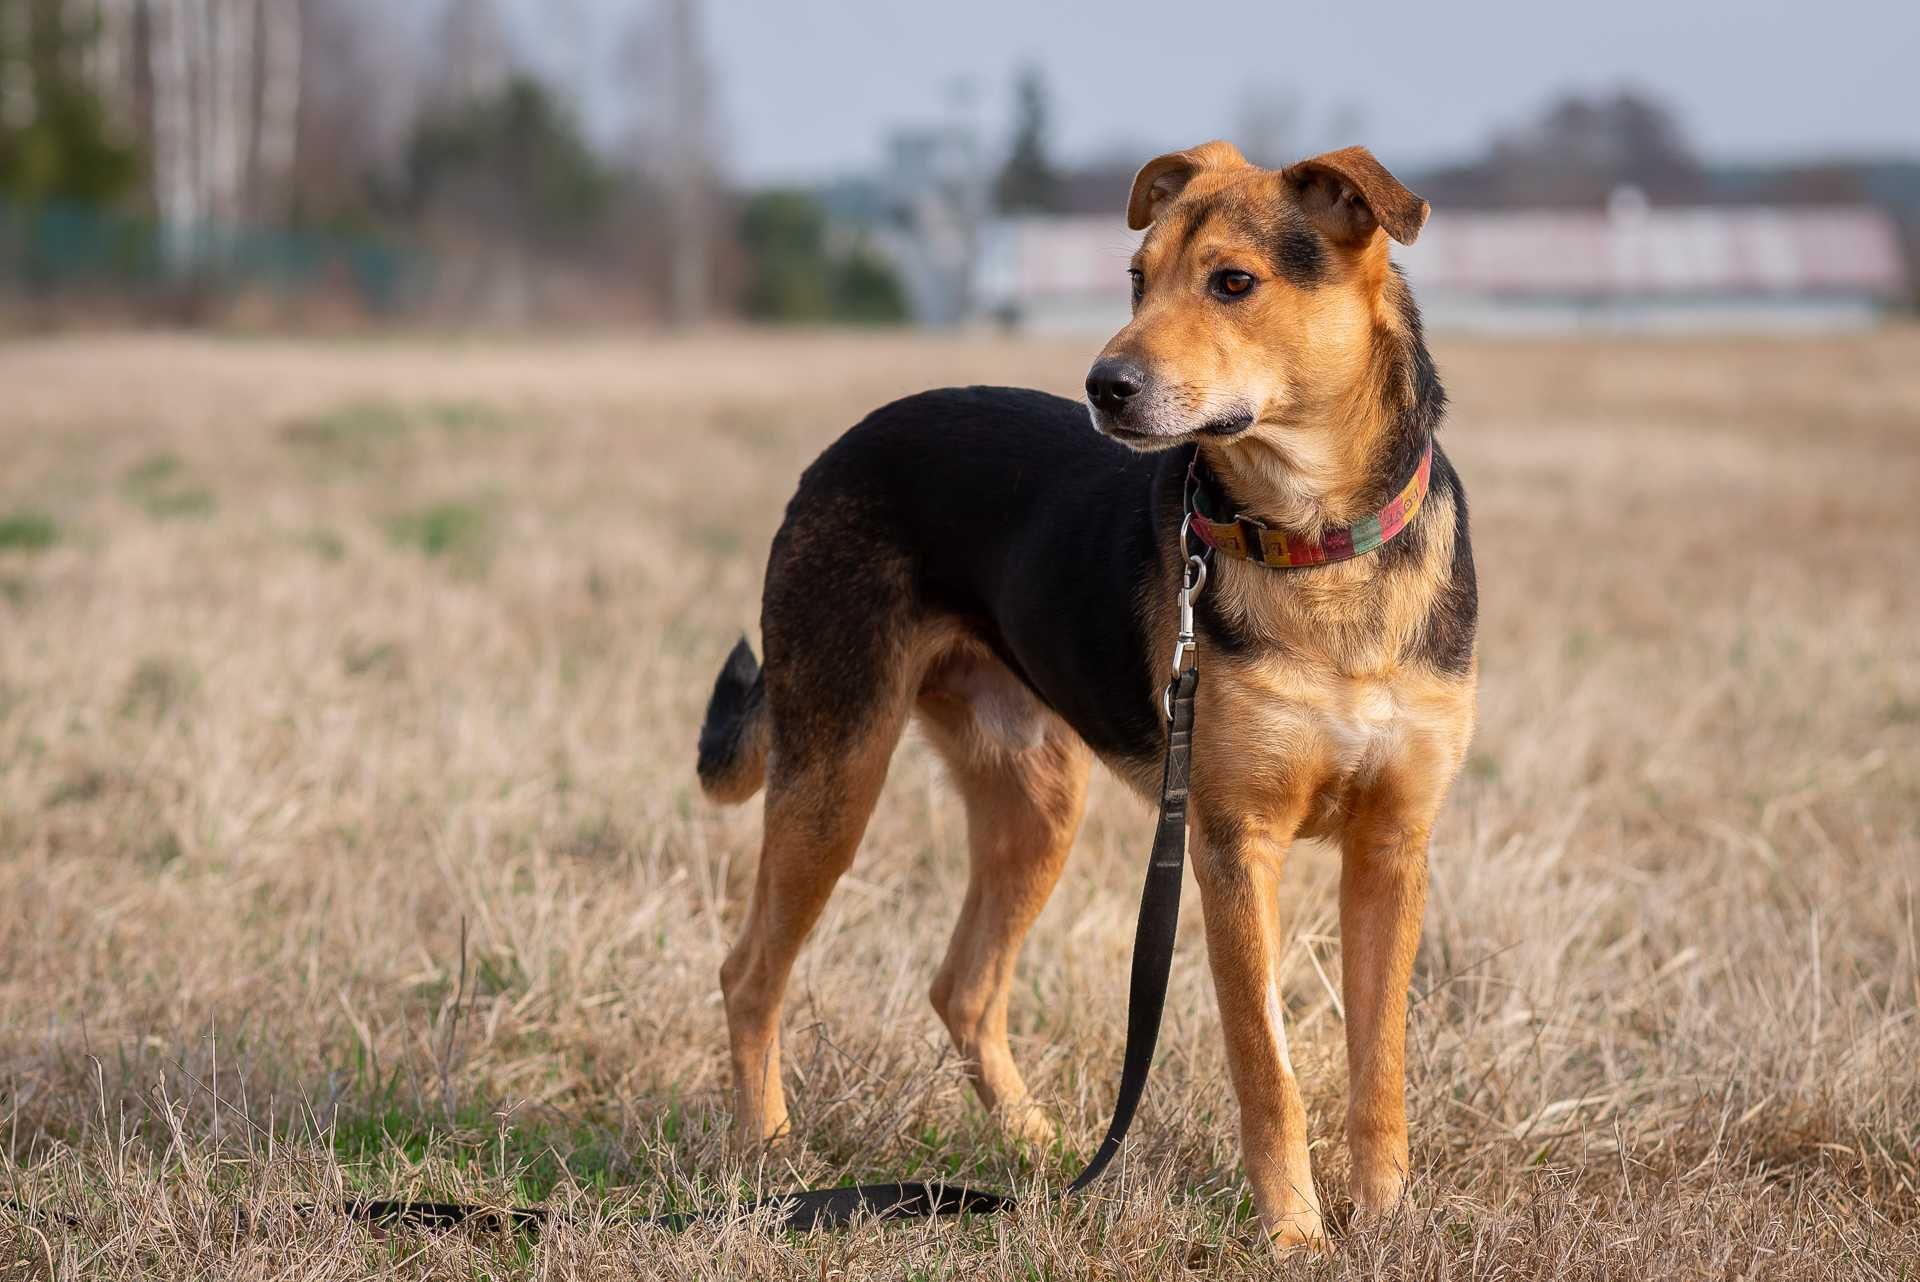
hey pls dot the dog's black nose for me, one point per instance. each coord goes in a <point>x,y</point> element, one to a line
<point>1111,383</point>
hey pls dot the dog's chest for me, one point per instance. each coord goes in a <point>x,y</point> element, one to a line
<point>1274,737</point>
<point>1339,729</point>
<point>1359,725</point>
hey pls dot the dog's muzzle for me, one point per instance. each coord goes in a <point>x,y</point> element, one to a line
<point>1114,384</point>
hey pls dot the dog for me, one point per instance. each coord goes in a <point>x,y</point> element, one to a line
<point>988,561</point>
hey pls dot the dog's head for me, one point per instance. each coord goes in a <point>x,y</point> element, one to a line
<point>1255,296</point>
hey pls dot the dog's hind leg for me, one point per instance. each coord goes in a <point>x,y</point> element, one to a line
<point>816,812</point>
<point>1024,801</point>
<point>841,669</point>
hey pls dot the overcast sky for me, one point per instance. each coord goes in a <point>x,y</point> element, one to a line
<point>808,88</point>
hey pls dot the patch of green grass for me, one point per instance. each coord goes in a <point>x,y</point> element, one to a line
<point>324,544</point>
<point>529,1159</point>
<point>189,502</point>
<point>77,788</point>
<point>361,658</point>
<point>1581,645</point>
<point>162,850</point>
<point>151,472</point>
<point>445,529</point>
<point>160,484</point>
<point>467,417</point>
<point>721,542</point>
<point>358,432</point>
<point>495,973</point>
<point>349,431</point>
<point>157,687</point>
<point>499,973</point>
<point>27,531</point>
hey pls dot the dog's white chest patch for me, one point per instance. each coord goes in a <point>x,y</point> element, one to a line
<point>1364,727</point>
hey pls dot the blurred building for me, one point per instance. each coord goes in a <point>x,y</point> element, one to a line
<point>922,211</point>
<point>1062,274</point>
<point>1631,267</point>
<point>1638,268</point>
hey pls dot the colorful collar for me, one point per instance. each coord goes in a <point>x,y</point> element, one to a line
<point>1246,538</point>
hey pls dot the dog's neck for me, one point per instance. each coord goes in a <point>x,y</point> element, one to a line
<point>1333,609</point>
<point>1344,453</point>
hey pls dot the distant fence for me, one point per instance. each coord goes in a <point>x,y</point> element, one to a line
<point>61,253</point>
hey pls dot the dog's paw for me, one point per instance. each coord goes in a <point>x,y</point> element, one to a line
<point>1375,1195</point>
<point>1029,1125</point>
<point>1300,1232</point>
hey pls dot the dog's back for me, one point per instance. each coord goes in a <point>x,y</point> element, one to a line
<point>990,509</point>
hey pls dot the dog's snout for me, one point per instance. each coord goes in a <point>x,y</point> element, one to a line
<point>1112,382</point>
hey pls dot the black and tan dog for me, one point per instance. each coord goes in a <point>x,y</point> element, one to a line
<point>980,557</point>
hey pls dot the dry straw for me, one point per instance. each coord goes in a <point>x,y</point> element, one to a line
<point>319,658</point>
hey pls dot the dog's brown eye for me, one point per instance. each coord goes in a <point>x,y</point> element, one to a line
<point>1139,280</point>
<point>1231,284</point>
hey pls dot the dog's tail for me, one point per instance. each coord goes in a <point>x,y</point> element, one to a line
<point>733,739</point>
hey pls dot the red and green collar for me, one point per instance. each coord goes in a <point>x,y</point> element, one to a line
<point>1248,539</point>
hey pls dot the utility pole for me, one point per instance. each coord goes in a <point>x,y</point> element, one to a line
<point>687,170</point>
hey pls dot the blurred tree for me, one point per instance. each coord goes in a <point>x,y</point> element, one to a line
<point>515,165</point>
<point>55,141</point>
<point>1028,182</point>
<point>1627,132</point>
<point>1581,148</point>
<point>215,88</point>
<point>687,184</point>
<point>866,291</point>
<point>1576,154</point>
<point>793,276</point>
<point>785,236</point>
<point>345,134</point>
<point>665,84</point>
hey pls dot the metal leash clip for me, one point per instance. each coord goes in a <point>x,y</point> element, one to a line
<point>1194,578</point>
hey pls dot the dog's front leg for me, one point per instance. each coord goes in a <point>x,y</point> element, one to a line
<point>1383,896</point>
<point>1238,870</point>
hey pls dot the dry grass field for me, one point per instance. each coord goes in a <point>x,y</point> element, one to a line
<point>349,840</point>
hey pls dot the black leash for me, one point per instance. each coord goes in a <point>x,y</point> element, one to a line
<point>1153,936</point>
<point>1153,940</point>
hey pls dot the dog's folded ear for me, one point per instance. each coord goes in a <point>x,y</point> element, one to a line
<point>1164,177</point>
<point>1348,194</point>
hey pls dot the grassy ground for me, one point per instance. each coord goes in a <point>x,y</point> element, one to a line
<point>349,838</point>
